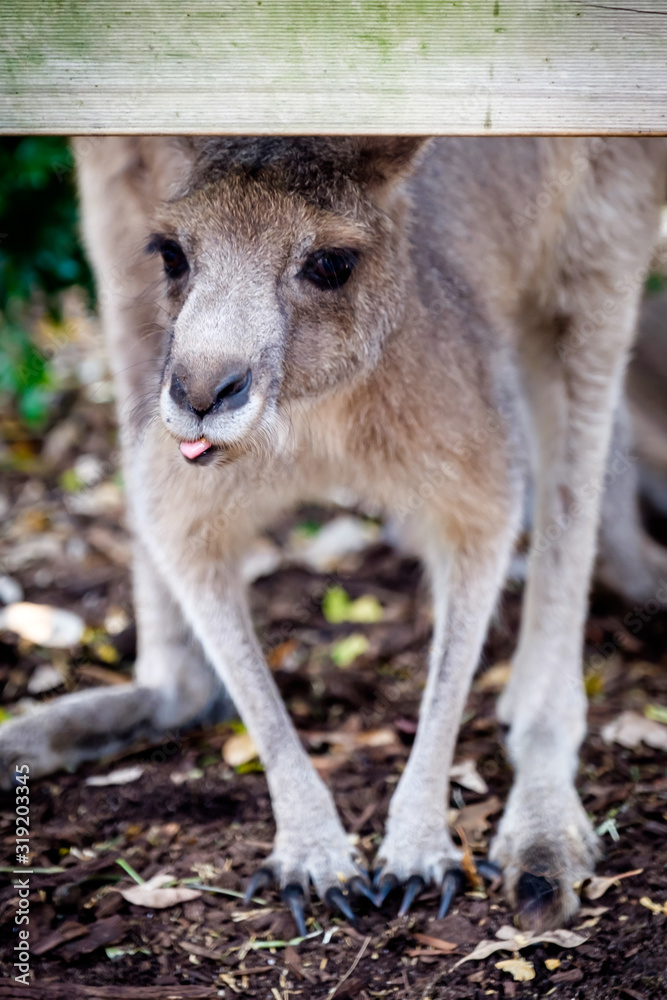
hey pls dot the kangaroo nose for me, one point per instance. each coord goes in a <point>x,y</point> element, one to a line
<point>230,393</point>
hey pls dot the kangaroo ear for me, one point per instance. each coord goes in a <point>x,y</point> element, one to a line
<point>387,158</point>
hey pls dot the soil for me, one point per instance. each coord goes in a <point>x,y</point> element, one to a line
<point>184,810</point>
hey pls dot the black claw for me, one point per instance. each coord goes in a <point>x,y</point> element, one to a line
<point>414,886</point>
<point>452,884</point>
<point>262,878</point>
<point>488,870</point>
<point>335,900</point>
<point>383,886</point>
<point>361,886</point>
<point>293,896</point>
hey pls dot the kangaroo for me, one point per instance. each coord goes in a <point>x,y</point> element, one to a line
<point>401,317</point>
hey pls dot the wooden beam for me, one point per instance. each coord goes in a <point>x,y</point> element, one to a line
<point>299,66</point>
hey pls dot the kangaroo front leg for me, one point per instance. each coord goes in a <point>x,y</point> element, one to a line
<point>310,842</point>
<point>417,849</point>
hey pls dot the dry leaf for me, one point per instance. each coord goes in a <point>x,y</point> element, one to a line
<point>597,885</point>
<point>467,862</point>
<point>42,624</point>
<point>239,749</point>
<point>484,949</point>
<point>103,499</point>
<point>45,678</point>
<point>262,559</point>
<point>512,940</point>
<point>437,943</point>
<point>561,937</point>
<point>495,678</point>
<point>122,776</point>
<point>506,933</point>
<point>475,819</point>
<point>657,908</point>
<point>345,651</point>
<point>155,898</point>
<point>349,740</point>
<point>593,911</point>
<point>587,924</point>
<point>630,729</point>
<point>519,969</point>
<point>339,538</point>
<point>465,773</point>
<point>656,712</point>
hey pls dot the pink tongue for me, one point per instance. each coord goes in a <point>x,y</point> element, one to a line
<point>191,449</point>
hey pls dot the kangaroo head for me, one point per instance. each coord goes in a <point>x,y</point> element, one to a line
<point>286,265</point>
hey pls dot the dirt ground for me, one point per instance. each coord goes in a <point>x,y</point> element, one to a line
<point>188,808</point>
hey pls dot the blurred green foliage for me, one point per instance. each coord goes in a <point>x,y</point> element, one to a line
<point>40,256</point>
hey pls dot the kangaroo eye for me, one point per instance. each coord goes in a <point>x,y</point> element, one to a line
<point>175,261</point>
<point>329,269</point>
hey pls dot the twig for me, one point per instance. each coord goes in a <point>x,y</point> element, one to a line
<point>349,972</point>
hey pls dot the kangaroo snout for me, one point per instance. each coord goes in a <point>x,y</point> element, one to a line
<point>230,390</point>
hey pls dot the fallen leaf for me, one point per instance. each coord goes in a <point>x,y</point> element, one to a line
<point>512,940</point>
<point>495,678</point>
<point>43,624</point>
<point>341,537</point>
<point>382,737</point>
<point>562,937</point>
<point>467,862</point>
<point>506,933</point>
<point>283,656</point>
<point>587,924</point>
<point>338,607</point>
<point>151,895</point>
<point>593,911</point>
<point>116,620</point>
<point>192,774</point>
<point>465,773</point>
<point>114,953</point>
<point>107,653</point>
<point>45,678</point>
<point>484,949</point>
<point>262,559</point>
<point>345,651</point>
<point>520,970</point>
<point>121,776</point>
<point>630,729</point>
<point>597,885</point>
<point>111,544</point>
<point>437,943</point>
<point>103,499</point>
<point>657,908</point>
<point>474,819</point>
<point>239,749</point>
<point>657,713</point>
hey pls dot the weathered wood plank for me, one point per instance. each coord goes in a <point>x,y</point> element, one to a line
<point>412,66</point>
